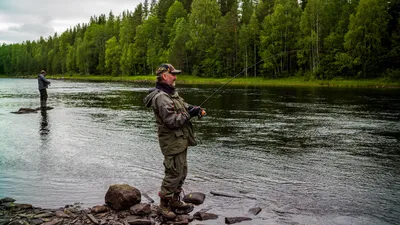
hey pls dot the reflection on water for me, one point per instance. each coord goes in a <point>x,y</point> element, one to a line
<point>44,123</point>
<point>308,155</point>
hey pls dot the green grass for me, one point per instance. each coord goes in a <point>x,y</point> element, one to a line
<point>251,81</point>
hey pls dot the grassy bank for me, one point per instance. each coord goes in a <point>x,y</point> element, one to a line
<point>293,81</point>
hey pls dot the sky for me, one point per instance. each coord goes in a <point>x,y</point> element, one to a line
<point>22,20</point>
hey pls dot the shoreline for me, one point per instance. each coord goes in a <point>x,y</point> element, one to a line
<point>250,81</point>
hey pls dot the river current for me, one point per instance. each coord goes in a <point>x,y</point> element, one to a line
<point>304,155</point>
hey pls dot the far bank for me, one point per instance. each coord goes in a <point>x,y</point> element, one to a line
<point>251,81</point>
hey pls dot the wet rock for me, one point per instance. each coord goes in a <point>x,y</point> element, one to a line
<point>140,209</point>
<point>100,209</point>
<point>140,222</point>
<point>61,214</point>
<point>53,222</point>
<point>7,199</point>
<point>23,206</point>
<point>36,221</point>
<point>231,220</point>
<point>4,221</point>
<point>8,205</point>
<point>232,195</point>
<point>92,218</point>
<point>44,215</point>
<point>18,222</point>
<point>224,194</point>
<point>122,196</point>
<point>25,111</point>
<point>205,216</point>
<point>196,198</point>
<point>255,210</point>
<point>184,218</point>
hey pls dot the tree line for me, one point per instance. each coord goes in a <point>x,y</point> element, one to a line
<point>207,38</point>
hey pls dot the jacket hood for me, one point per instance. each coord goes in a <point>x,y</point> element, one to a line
<point>148,99</point>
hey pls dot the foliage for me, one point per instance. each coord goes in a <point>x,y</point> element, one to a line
<point>207,38</point>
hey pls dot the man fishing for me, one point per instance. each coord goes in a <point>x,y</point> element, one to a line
<point>175,134</point>
<point>43,84</point>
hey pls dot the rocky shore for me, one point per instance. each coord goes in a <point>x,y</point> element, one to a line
<point>123,206</point>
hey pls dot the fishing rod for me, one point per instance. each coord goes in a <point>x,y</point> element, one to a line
<point>262,60</point>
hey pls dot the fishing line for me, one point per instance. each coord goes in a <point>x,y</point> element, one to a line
<point>262,60</point>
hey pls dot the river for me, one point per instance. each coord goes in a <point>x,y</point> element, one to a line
<point>305,155</point>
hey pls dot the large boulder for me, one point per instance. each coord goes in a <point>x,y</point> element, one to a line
<point>122,196</point>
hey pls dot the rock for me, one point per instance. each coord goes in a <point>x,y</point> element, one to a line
<point>4,221</point>
<point>53,222</point>
<point>231,220</point>
<point>224,194</point>
<point>25,110</point>
<point>140,209</point>
<point>6,199</point>
<point>205,216</point>
<point>61,214</point>
<point>196,198</point>
<point>36,221</point>
<point>184,218</point>
<point>141,222</point>
<point>255,210</point>
<point>18,222</point>
<point>100,209</point>
<point>23,206</point>
<point>8,205</point>
<point>91,218</point>
<point>122,196</point>
<point>44,215</point>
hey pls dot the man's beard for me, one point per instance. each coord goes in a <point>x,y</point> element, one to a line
<point>173,84</point>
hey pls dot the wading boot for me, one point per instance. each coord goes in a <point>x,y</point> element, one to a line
<point>178,206</point>
<point>165,210</point>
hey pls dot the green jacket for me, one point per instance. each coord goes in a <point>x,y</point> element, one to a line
<point>175,131</point>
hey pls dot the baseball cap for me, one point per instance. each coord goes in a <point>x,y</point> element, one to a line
<point>167,67</point>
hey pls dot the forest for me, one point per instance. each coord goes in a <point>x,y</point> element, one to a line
<point>319,39</point>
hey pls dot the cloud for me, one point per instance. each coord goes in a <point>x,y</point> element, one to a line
<point>22,20</point>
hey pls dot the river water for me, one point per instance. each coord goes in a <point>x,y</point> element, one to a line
<point>304,155</point>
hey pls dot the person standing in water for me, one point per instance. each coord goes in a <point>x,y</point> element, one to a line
<point>175,134</point>
<point>43,84</point>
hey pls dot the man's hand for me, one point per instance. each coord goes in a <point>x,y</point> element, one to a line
<point>194,111</point>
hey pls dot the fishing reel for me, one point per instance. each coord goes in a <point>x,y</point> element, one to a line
<point>202,113</point>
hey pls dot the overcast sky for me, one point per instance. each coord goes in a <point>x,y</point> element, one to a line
<point>22,20</point>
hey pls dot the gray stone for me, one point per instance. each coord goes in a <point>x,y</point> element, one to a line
<point>53,222</point>
<point>255,210</point>
<point>44,215</point>
<point>196,198</point>
<point>140,222</point>
<point>18,222</point>
<point>36,221</point>
<point>7,199</point>
<point>231,220</point>
<point>25,110</point>
<point>141,209</point>
<point>100,209</point>
<point>61,214</point>
<point>205,216</point>
<point>91,217</point>
<point>23,206</point>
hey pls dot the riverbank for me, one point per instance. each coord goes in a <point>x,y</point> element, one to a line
<point>250,81</point>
